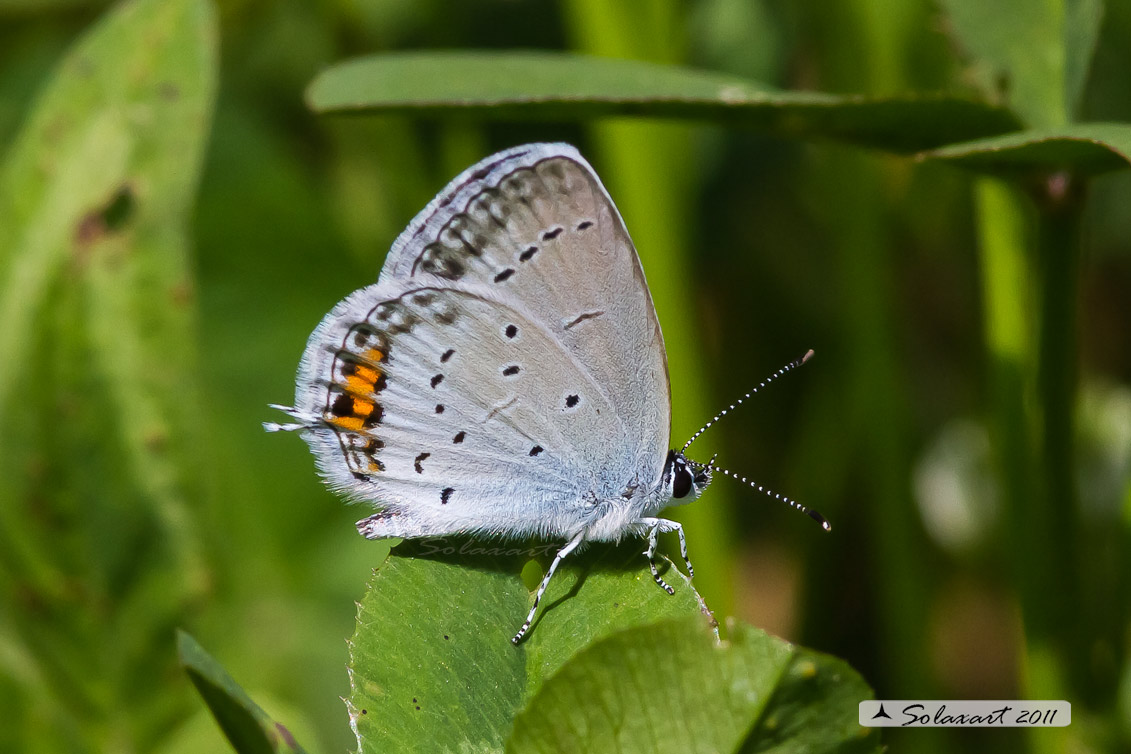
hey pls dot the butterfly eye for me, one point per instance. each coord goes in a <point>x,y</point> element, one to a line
<point>681,481</point>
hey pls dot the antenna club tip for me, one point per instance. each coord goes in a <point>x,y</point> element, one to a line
<point>808,355</point>
<point>820,520</point>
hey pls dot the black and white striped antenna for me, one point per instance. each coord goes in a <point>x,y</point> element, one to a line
<point>711,467</point>
<point>787,368</point>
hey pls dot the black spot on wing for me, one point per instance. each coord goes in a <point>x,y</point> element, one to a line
<point>446,355</point>
<point>511,331</point>
<point>437,379</point>
<point>417,461</point>
<point>511,370</point>
<point>446,495</point>
<point>585,224</point>
<point>459,437</point>
<point>572,400</point>
<point>439,408</point>
<point>553,233</point>
<point>526,255</point>
<point>504,274</point>
<point>536,450</point>
<point>342,405</point>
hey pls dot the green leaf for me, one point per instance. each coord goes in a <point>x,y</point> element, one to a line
<point>672,687</point>
<point>1035,55</point>
<point>517,85</point>
<point>96,195</point>
<point>99,418</point>
<point>249,729</point>
<point>1083,149</point>
<point>432,665</point>
<point>1081,34</point>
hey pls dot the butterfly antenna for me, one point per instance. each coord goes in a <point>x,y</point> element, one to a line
<point>711,467</point>
<point>787,368</point>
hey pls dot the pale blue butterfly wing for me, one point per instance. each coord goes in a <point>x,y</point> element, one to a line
<point>535,225</point>
<point>506,374</point>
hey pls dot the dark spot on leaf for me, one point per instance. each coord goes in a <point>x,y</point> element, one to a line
<point>287,736</point>
<point>108,219</point>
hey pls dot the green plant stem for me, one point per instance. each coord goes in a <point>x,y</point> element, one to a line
<point>1032,373</point>
<point>1007,313</point>
<point>1060,202</point>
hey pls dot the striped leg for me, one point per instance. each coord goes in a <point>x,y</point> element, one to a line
<point>650,553</point>
<point>660,526</point>
<point>683,549</point>
<point>569,547</point>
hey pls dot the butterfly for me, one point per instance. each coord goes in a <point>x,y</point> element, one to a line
<point>506,375</point>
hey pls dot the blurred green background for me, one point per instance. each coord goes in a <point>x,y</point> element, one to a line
<point>756,248</point>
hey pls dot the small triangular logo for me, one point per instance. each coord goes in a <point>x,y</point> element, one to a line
<point>881,713</point>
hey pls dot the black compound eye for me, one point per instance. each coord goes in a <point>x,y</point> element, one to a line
<point>681,482</point>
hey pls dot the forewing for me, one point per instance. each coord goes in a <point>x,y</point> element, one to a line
<point>452,410</point>
<point>535,226</point>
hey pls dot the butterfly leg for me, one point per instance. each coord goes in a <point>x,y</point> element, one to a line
<point>657,525</point>
<point>661,526</point>
<point>683,549</point>
<point>562,553</point>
